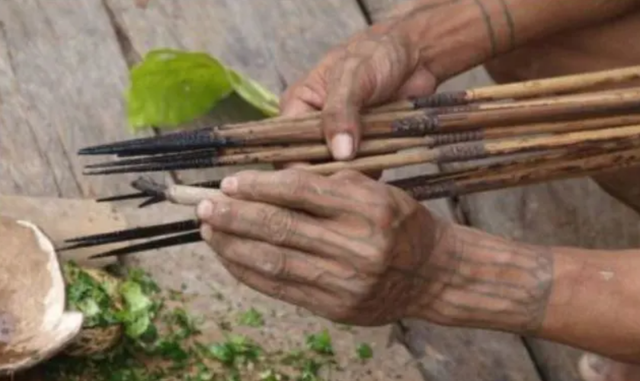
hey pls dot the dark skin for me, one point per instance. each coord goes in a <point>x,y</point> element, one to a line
<point>361,252</point>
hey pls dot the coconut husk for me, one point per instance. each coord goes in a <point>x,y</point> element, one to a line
<point>33,322</point>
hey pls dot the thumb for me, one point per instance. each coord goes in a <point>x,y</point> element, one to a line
<point>341,113</point>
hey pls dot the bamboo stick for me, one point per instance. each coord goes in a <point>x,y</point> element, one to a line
<point>479,150</point>
<point>207,159</point>
<point>525,89</point>
<point>405,124</point>
<point>521,176</point>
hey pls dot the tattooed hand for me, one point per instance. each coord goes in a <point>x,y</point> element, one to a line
<point>375,66</point>
<point>345,247</point>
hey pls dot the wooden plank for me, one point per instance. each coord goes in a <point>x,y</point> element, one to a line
<point>66,77</point>
<point>215,27</point>
<point>61,219</point>
<point>223,28</point>
<point>379,9</point>
<point>288,37</point>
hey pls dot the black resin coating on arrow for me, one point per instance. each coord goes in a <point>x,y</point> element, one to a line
<point>167,158</point>
<point>193,140</point>
<point>143,141</point>
<point>457,137</point>
<point>132,234</point>
<point>462,151</point>
<point>420,189</point>
<point>159,167</point>
<point>440,100</point>
<point>418,125</point>
<point>162,243</point>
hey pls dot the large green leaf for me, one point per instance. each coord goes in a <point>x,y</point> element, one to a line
<point>171,87</point>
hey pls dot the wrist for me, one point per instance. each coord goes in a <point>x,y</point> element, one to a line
<point>485,282</point>
<point>451,37</point>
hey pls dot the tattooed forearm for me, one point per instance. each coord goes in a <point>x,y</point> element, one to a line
<point>486,16</point>
<point>487,283</point>
<point>511,26</point>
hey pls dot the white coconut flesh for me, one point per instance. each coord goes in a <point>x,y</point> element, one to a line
<point>33,322</point>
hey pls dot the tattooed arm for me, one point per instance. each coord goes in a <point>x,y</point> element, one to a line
<point>361,252</point>
<point>423,44</point>
<point>455,35</point>
<point>588,299</point>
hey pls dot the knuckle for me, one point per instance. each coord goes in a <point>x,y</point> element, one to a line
<point>350,175</point>
<point>291,183</point>
<point>331,114</point>
<point>274,264</point>
<point>221,214</point>
<point>375,259</point>
<point>384,215</point>
<point>279,225</point>
<point>237,271</point>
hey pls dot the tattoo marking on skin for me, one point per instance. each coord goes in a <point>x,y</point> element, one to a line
<point>510,23</point>
<point>490,30</point>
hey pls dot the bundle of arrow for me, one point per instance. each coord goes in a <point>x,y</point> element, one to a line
<point>566,127</point>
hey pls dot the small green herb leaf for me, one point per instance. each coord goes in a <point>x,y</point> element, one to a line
<point>223,353</point>
<point>172,87</point>
<point>251,318</point>
<point>364,351</point>
<point>320,343</point>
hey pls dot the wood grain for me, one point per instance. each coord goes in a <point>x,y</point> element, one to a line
<point>64,88</point>
<point>274,43</point>
<point>23,167</point>
<point>379,9</point>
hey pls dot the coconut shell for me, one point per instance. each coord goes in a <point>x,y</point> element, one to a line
<point>33,322</point>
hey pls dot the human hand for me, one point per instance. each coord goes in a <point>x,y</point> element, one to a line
<point>345,247</point>
<point>375,66</point>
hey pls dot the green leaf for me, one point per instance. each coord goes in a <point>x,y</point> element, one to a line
<point>364,351</point>
<point>320,342</point>
<point>251,318</point>
<point>223,352</point>
<point>254,93</point>
<point>133,296</point>
<point>172,87</point>
<point>137,313</point>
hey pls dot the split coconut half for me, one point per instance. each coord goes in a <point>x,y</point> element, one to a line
<point>34,324</point>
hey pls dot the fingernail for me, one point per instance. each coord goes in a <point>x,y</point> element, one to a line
<point>205,232</point>
<point>204,209</point>
<point>342,146</point>
<point>229,185</point>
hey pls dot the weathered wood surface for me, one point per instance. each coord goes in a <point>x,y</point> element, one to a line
<point>62,218</point>
<point>62,74</point>
<point>379,9</point>
<point>251,51</point>
<point>62,77</point>
<point>281,42</point>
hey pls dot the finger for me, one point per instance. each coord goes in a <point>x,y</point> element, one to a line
<point>310,298</point>
<point>302,98</point>
<point>296,189</point>
<point>281,263</point>
<point>352,176</point>
<point>293,165</point>
<point>341,113</point>
<point>272,224</point>
<point>421,83</point>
